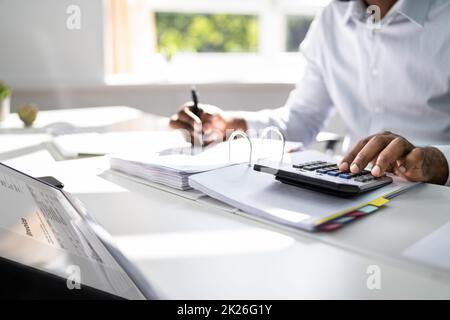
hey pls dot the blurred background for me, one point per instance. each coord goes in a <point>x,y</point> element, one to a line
<point>242,54</point>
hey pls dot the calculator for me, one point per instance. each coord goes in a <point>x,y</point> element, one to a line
<point>325,177</point>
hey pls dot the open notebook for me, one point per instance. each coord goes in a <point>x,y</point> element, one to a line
<point>260,196</point>
<point>172,167</point>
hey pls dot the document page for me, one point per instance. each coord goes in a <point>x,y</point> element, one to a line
<point>40,228</point>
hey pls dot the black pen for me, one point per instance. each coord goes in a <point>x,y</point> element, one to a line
<point>195,109</point>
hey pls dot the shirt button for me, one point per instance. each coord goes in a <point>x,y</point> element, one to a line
<point>378,109</point>
<point>374,72</point>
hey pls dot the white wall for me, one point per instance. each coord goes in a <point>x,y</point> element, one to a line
<point>158,99</point>
<point>37,49</point>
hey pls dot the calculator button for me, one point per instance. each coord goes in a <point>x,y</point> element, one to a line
<point>321,166</point>
<point>309,168</point>
<point>365,178</point>
<point>333,173</point>
<point>363,173</point>
<point>312,163</point>
<point>307,164</point>
<point>325,165</point>
<point>354,175</point>
<point>360,174</point>
<point>345,176</point>
<point>326,169</point>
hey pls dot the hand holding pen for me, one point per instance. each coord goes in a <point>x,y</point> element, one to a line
<point>204,123</point>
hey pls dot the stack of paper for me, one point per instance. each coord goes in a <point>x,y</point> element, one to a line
<point>173,167</point>
<point>170,170</point>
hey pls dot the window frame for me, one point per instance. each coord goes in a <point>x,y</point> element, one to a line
<point>272,16</point>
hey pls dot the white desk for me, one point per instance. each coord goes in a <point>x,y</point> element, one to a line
<point>191,250</point>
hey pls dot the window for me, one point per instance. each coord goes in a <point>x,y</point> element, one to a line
<point>232,39</point>
<point>187,32</point>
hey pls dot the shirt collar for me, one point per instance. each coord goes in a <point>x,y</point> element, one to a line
<point>415,10</point>
<point>356,9</point>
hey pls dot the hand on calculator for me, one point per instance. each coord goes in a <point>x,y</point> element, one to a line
<point>389,152</point>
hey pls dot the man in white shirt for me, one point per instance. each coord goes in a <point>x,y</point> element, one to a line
<point>393,75</point>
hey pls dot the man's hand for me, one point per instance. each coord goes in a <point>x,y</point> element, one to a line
<point>388,152</point>
<point>211,121</point>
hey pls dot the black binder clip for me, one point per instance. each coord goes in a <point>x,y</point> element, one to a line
<point>53,181</point>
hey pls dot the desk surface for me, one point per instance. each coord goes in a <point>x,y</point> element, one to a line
<point>197,250</point>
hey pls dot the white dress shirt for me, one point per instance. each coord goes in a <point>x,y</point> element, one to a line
<point>395,77</point>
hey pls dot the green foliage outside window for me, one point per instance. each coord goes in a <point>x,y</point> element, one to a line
<point>179,32</point>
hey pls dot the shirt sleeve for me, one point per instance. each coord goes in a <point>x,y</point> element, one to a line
<point>309,104</point>
<point>446,151</point>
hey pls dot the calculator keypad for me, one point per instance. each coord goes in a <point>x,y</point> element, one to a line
<point>323,177</point>
<point>331,169</point>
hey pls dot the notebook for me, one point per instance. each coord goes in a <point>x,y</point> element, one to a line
<point>174,166</point>
<point>261,197</point>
